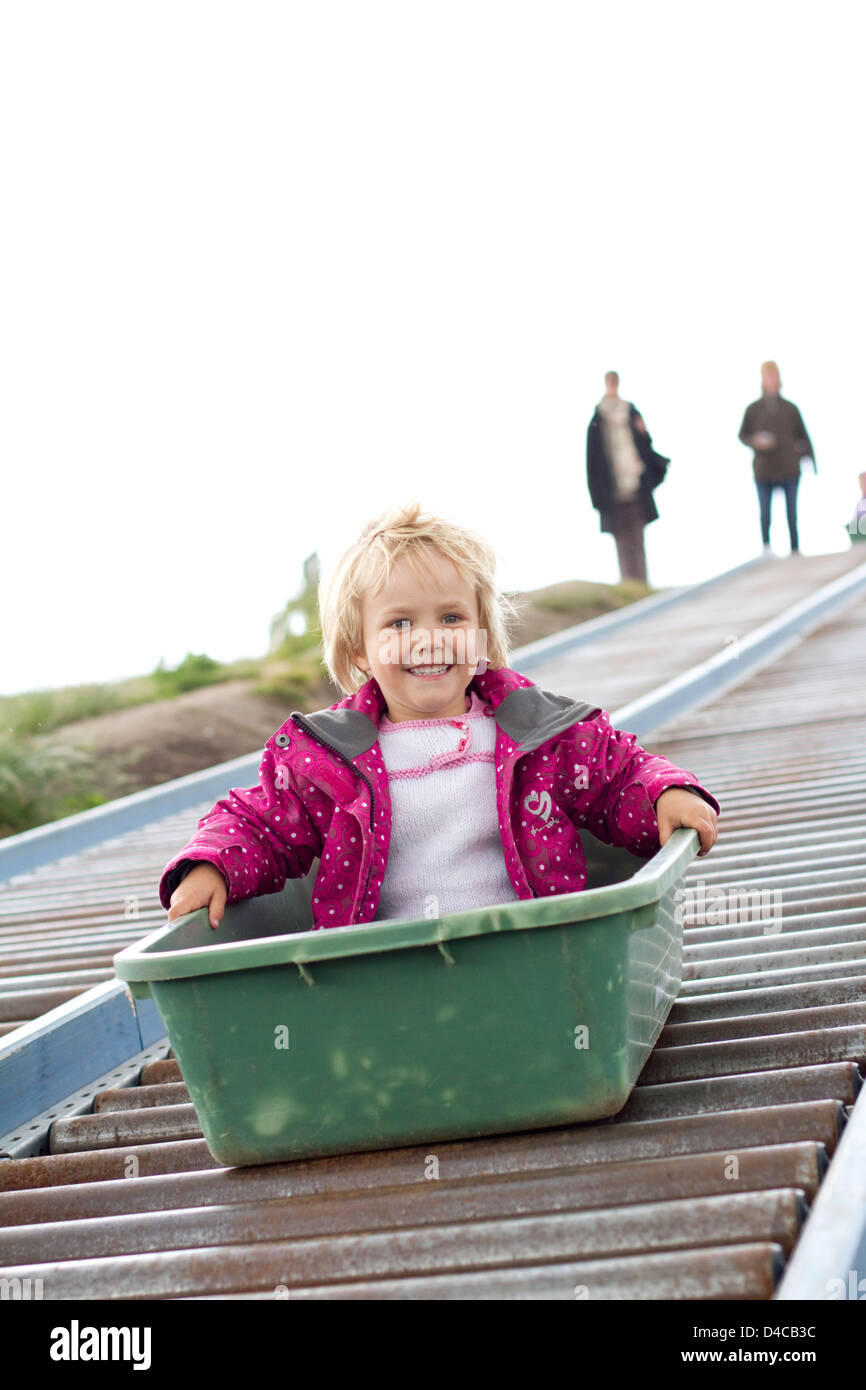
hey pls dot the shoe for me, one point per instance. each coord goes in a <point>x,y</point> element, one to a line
<point>768,550</point>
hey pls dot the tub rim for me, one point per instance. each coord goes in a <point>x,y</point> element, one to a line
<point>144,961</point>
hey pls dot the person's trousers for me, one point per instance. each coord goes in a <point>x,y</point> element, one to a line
<point>765,493</point>
<point>629,523</point>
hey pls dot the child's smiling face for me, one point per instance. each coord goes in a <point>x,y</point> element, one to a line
<point>414,627</point>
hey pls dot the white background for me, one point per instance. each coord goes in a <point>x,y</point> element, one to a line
<point>269,268</point>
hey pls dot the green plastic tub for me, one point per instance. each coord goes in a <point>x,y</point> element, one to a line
<point>297,1043</point>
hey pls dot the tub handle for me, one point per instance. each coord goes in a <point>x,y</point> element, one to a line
<point>445,953</point>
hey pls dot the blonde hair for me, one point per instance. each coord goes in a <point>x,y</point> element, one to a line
<point>366,566</point>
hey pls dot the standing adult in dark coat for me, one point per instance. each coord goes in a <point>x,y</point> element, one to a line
<point>622,469</point>
<point>774,429</point>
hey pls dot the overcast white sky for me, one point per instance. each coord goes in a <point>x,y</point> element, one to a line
<point>268,268</point>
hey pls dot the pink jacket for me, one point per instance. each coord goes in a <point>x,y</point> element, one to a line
<point>323,794</point>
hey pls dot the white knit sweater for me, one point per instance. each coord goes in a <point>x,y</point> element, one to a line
<point>446,851</point>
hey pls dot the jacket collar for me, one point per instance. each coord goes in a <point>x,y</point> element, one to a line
<point>523,711</point>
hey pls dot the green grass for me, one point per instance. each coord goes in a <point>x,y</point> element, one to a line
<point>41,784</point>
<point>577,596</point>
<point>192,673</point>
<point>42,711</point>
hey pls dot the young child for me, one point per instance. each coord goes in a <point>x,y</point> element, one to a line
<point>857,525</point>
<point>442,781</point>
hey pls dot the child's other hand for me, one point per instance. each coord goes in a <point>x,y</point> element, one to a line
<point>676,808</point>
<point>203,886</point>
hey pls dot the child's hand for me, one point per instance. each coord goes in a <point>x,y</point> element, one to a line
<point>203,886</point>
<point>676,808</point>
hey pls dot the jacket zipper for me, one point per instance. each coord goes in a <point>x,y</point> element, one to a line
<point>505,799</point>
<point>317,738</point>
<point>323,743</point>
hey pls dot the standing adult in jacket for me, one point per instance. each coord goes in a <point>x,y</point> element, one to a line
<point>622,469</point>
<point>774,429</point>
